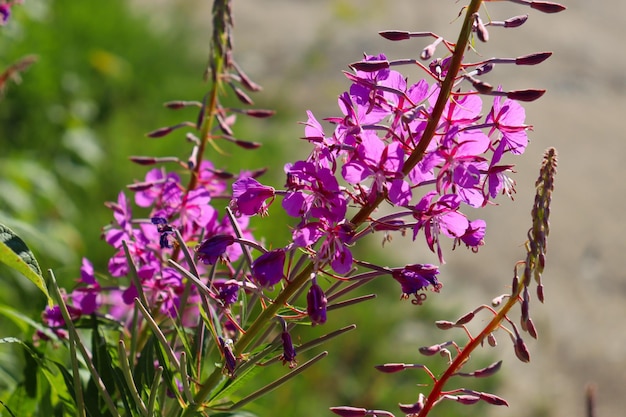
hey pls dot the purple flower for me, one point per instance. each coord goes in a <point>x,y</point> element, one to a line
<point>227,291</point>
<point>415,278</point>
<point>439,216</point>
<point>507,116</point>
<point>267,269</point>
<point>334,249</point>
<point>249,197</point>
<point>165,231</point>
<point>316,304</point>
<point>214,248</point>
<point>313,192</point>
<point>5,13</point>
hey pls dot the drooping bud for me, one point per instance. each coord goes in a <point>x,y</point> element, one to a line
<point>230,361</point>
<point>289,351</point>
<point>531,329</point>
<point>267,269</point>
<point>491,339</point>
<point>481,30</point>
<point>521,350</point>
<point>316,304</point>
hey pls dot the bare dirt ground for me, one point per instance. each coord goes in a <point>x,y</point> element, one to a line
<point>582,325</point>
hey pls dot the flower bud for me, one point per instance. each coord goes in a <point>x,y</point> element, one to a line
<point>444,325</point>
<point>230,362</point>
<point>214,248</point>
<point>521,351</point>
<point>547,6</point>
<point>525,95</point>
<point>533,59</point>
<point>346,411</point>
<point>370,66</point>
<point>316,304</point>
<point>267,269</point>
<point>390,368</point>
<point>395,35</point>
<point>515,21</point>
<point>289,352</point>
<point>465,319</point>
<point>493,399</point>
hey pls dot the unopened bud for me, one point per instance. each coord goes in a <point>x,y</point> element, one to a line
<point>533,59</point>
<point>540,292</point>
<point>525,95</point>
<point>465,319</point>
<point>493,399</point>
<point>413,408</point>
<point>241,95</point>
<point>547,6</point>
<point>484,372</point>
<point>390,368</point>
<point>465,399</point>
<point>159,133</point>
<point>515,21</point>
<point>370,66</point>
<point>484,69</point>
<point>521,351</point>
<point>444,325</point>
<point>491,339</point>
<point>346,411</point>
<point>179,104</point>
<point>481,30</point>
<point>531,329</point>
<point>259,113</point>
<point>429,350</point>
<point>143,160</point>
<point>246,144</point>
<point>395,35</point>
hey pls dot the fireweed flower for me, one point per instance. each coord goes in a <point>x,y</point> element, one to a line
<point>507,116</point>
<point>250,196</point>
<point>415,278</point>
<point>313,191</point>
<point>86,297</point>
<point>267,269</point>
<point>439,215</point>
<point>334,247</point>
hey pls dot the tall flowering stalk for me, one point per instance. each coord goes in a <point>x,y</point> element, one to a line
<point>198,304</point>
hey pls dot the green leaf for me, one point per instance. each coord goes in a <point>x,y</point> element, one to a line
<point>15,254</point>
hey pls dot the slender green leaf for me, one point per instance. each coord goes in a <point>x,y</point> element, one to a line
<point>15,254</point>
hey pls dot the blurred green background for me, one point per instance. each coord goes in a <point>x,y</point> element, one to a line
<point>67,129</point>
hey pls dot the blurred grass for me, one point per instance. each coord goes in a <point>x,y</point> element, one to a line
<point>66,132</point>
